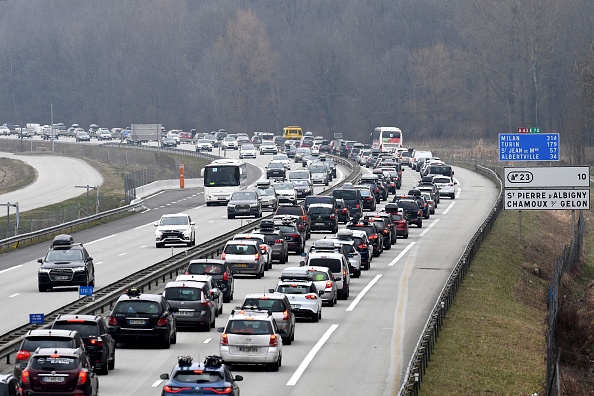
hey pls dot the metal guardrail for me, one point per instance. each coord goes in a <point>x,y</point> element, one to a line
<point>68,226</point>
<point>145,279</point>
<point>420,359</point>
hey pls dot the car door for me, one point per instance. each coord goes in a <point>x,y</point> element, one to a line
<point>107,338</point>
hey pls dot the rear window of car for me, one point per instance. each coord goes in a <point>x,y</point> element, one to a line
<point>270,304</point>
<point>85,329</point>
<point>137,306</point>
<point>183,294</point>
<point>408,205</point>
<point>198,376</point>
<point>293,289</point>
<point>313,199</point>
<point>205,269</point>
<point>442,180</point>
<point>290,210</point>
<point>317,276</point>
<point>239,326</point>
<point>32,343</point>
<point>335,265</point>
<point>54,363</point>
<point>365,193</point>
<point>369,230</point>
<point>240,249</point>
<point>319,210</point>
<point>288,229</point>
<point>345,194</point>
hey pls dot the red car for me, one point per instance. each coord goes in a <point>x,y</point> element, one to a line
<point>399,220</point>
<point>185,137</point>
<point>59,371</point>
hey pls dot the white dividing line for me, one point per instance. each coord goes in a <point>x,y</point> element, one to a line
<point>449,207</point>
<point>402,253</point>
<point>122,254</point>
<point>147,210</point>
<point>428,228</point>
<point>156,383</point>
<point>143,246</point>
<point>142,226</point>
<point>11,268</point>
<point>101,239</point>
<point>14,295</point>
<point>99,262</point>
<point>363,292</point>
<point>308,359</point>
<point>207,341</point>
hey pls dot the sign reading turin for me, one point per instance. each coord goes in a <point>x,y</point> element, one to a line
<point>529,147</point>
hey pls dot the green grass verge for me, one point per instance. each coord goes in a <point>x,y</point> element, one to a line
<point>14,175</point>
<point>493,341</point>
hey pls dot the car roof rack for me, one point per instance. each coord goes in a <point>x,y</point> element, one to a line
<point>133,292</point>
<point>184,361</point>
<point>213,361</point>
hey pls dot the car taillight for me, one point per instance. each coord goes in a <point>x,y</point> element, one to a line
<point>357,206</point>
<point>279,241</point>
<point>385,231</point>
<point>112,321</point>
<point>374,236</point>
<point>23,355</point>
<point>220,391</point>
<point>273,340</point>
<point>224,339</point>
<point>311,297</point>
<point>223,256</point>
<point>162,322</point>
<point>257,256</point>
<point>286,314</point>
<point>344,210</point>
<point>344,274</point>
<point>226,276</point>
<point>187,272</point>
<point>25,378</point>
<point>96,341</point>
<point>368,199</point>
<point>362,246</point>
<point>294,235</point>
<point>176,389</point>
<point>419,213</point>
<point>331,217</point>
<point>304,218</point>
<point>328,284</point>
<point>82,377</point>
<point>376,190</point>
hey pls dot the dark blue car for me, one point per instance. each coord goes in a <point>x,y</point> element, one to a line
<point>211,377</point>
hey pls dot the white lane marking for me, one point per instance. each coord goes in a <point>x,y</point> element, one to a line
<point>142,226</point>
<point>14,295</point>
<point>147,210</point>
<point>207,341</point>
<point>11,268</point>
<point>308,359</point>
<point>154,195</point>
<point>122,254</point>
<point>168,204</point>
<point>428,228</point>
<point>143,246</point>
<point>156,383</point>
<point>458,193</point>
<point>449,207</point>
<point>99,262</point>
<point>101,239</point>
<point>197,194</point>
<point>402,253</point>
<point>363,292</point>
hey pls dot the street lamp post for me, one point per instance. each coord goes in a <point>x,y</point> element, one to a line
<point>89,188</point>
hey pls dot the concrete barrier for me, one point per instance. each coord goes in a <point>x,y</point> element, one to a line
<point>162,185</point>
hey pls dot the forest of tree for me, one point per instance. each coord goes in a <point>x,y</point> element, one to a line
<point>463,69</point>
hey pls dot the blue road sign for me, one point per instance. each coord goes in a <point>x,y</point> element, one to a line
<point>36,318</point>
<point>85,290</point>
<point>529,147</point>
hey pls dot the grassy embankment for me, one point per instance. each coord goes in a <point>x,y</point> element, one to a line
<point>493,341</point>
<point>14,175</point>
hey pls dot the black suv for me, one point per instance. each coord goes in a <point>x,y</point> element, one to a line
<point>99,343</point>
<point>65,264</point>
<point>373,234</point>
<point>220,272</point>
<point>412,212</point>
<point>317,199</point>
<point>351,197</point>
<point>323,217</point>
<point>296,210</point>
<point>274,238</point>
<point>276,171</point>
<point>138,316</point>
<point>44,338</point>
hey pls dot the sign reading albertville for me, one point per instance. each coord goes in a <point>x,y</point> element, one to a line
<point>534,199</point>
<point>529,147</point>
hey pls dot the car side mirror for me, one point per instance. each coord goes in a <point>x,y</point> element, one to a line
<point>89,258</point>
<point>321,292</point>
<point>455,182</point>
<point>220,329</point>
<point>302,263</point>
<point>238,378</point>
<point>192,223</point>
<point>270,290</point>
<point>40,261</point>
<point>164,376</point>
<point>156,224</point>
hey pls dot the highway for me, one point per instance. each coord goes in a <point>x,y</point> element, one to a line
<point>361,345</point>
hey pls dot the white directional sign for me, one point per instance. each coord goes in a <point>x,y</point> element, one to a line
<point>555,176</point>
<point>557,199</point>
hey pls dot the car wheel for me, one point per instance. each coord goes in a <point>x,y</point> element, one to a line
<point>287,341</point>
<point>315,317</point>
<point>174,339</point>
<point>276,366</point>
<point>420,224</point>
<point>111,363</point>
<point>229,216</point>
<point>43,288</point>
<point>212,324</point>
<point>166,342</point>
<point>221,309</point>
<point>453,196</point>
<point>158,245</point>
<point>406,236</point>
<point>388,246</point>
<point>259,274</point>
<point>331,303</point>
<point>227,299</point>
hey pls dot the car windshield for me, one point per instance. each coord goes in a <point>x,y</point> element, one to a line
<point>174,220</point>
<point>240,249</point>
<point>299,175</point>
<point>203,141</point>
<point>288,229</point>
<point>215,176</point>
<point>32,343</point>
<point>289,210</point>
<point>293,289</point>
<point>64,255</point>
<point>283,186</point>
<point>365,193</point>
<point>85,329</point>
<point>345,194</point>
<point>333,264</point>
<point>229,139</point>
<point>265,303</point>
<point>247,147</point>
<point>317,169</point>
<point>264,192</point>
<point>183,294</point>
<point>198,376</point>
<point>137,306</point>
<point>239,326</point>
<point>205,269</point>
<point>54,363</point>
<point>276,165</point>
<point>243,196</point>
<point>301,183</point>
<point>280,157</point>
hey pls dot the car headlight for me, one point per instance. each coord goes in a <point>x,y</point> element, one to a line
<point>44,270</point>
<point>158,233</point>
<point>253,205</point>
<point>79,269</point>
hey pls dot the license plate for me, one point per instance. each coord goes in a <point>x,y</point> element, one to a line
<point>221,198</point>
<point>248,349</point>
<point>184,313</point>
<point>62,277</point>
<point>240,265</point>
<point>53,379</point>
<point>136,321</point>
<point>295,306</point>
